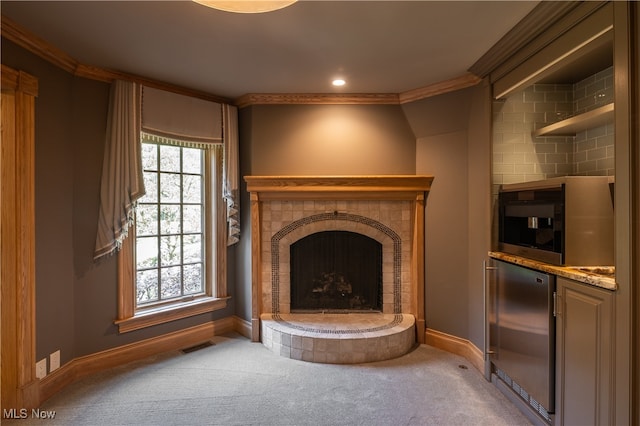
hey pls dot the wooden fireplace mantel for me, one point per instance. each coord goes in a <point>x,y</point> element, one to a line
<point>377,187</point>
<point>412,188</point>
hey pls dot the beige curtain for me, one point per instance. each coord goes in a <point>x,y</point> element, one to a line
<point>122,183</point>
<point>181,117</point>
<point>199,123</point>
<point>230,172</point>
<point>133,109</point>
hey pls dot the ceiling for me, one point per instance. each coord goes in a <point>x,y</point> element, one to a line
<point>376,46</point>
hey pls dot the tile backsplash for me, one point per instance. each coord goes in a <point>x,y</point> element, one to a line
<point>520,157</point>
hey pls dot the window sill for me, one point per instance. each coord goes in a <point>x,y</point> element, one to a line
<point>151,317</point>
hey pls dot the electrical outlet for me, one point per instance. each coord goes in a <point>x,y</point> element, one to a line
<point>41,368</point>
<point>54,361</point>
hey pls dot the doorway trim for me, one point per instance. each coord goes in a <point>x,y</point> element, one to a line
<point>20,388</point>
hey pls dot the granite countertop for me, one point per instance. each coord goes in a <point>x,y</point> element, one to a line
<point>597,276</point>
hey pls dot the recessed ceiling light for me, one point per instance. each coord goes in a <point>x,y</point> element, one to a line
<point>338,82</point>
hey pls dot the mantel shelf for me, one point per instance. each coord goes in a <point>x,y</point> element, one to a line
<point>380,187</point>
<point>569,127</point>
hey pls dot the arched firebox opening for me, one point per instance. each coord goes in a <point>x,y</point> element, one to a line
<point>336,271</point>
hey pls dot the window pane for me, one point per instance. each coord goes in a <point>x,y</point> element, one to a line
<point>146,252</point>
<point>171,279</point>
<point>193,278</point>
<point>169,158</point>
<point>192,248</point>
<point>170,250</point>
<point>191,189</point>
<point>170,219</point>
<point>146,219</point>
<point>149,156</point>
<point>147,286</point>
<point>192,219</point>
<point>192,160</point>
<point>169,188</point>
<point>170,224</point>
<point>150,187</point>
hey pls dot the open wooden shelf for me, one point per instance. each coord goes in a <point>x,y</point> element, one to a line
<point>569,127</point>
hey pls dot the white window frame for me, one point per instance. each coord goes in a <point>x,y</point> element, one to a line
<point>132,318</point>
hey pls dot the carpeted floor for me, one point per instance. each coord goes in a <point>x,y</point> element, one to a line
<point>236,382</point>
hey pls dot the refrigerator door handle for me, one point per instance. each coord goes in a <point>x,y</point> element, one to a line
<point>489,304</point>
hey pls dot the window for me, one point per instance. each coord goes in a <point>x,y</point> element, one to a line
<point>169,220</point>
<point>168,267</point>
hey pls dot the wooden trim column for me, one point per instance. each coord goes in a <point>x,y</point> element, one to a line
<point>418,265</point>
<point>17,241</point>
<point>256,261</point>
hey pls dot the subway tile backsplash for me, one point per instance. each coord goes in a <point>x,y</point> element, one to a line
<point>519,157</point>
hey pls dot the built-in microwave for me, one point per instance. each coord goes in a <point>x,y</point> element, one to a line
<point>561,221</point>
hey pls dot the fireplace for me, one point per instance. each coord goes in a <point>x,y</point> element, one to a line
<point>336,271</point>
<point>298,223</point>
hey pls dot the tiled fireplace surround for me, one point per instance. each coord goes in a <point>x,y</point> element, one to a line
<point>387,208</point>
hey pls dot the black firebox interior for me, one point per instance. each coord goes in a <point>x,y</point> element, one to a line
<point>336,271</point>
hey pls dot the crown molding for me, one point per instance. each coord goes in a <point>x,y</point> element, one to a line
<point>462,82</point>
<point>100,74</point>
<point>34,44</point>
<point>548,18</point>
<point>451,85</point>
<point>316,99</point>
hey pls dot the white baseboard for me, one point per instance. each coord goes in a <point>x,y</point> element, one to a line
<point>456,345</point>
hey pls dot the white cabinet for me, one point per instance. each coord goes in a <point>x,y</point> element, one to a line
<point>584,354</point>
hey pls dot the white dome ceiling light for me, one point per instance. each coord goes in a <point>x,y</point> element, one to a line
<point>247,6</point>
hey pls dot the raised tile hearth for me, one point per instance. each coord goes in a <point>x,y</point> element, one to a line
<point>338,338</point>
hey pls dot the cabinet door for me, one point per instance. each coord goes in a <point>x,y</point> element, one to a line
<point>584,332</point>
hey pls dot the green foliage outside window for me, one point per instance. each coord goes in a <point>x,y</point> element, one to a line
<point>169,224</point>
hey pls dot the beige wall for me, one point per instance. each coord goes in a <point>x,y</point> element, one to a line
<point>446,231</point>
<point>454,144</point>
<point>330,140</point>
<point>480,211</point>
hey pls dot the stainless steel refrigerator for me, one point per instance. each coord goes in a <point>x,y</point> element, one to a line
<point>522,331</point>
